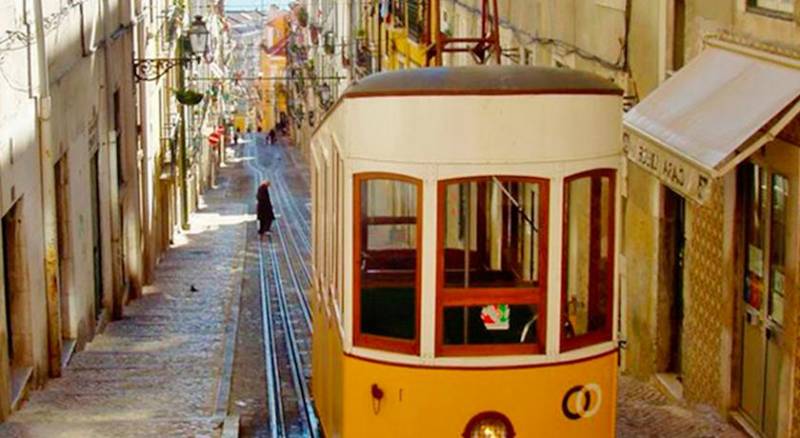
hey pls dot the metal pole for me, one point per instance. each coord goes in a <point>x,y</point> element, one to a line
<point>47,175</point>
<point>182,143</point>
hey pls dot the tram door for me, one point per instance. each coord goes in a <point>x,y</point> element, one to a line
<point>769,225</point>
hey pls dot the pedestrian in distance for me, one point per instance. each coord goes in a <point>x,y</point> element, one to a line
<point>264,208</point>
<point>272,136</point>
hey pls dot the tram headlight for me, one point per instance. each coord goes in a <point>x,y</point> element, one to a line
<point>489,425</point>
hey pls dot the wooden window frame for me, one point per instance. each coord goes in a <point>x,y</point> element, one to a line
<point>340,235</point>
<point>377,342</point>
<point>606,333</point>
<point>466,297</point>
<point>752,6</point>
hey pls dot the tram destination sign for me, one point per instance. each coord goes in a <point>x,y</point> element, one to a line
<point>675,172</point>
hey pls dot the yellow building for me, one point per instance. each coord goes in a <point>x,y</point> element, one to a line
<point>273,67</point>
<point>403,31</point>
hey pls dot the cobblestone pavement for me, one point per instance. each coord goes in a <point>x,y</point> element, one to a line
<point>156,372</point>
<point>643,411</point>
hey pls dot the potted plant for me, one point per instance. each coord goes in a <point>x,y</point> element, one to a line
<point>302,17</point>
<point>188,97</point>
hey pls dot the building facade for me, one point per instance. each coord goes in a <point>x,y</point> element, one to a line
<point>81,162</point>
<point>713,312</point>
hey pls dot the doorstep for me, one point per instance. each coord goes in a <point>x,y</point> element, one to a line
<point>743,423</point>
<point>670,384</point>
<point>20,376</point>
<point>67,349</point>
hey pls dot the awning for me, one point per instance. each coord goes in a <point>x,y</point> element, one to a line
<point>710,116</point>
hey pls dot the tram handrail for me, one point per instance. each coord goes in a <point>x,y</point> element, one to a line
<point>516,203</point>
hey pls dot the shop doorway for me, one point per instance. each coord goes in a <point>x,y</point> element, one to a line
<point>64,259</point>
<point>767,280</point>
<point>671,299</point>
<point>15,316</point>
<point>97,253</point>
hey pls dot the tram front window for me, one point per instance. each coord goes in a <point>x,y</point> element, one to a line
<point>387,260</point>
<point>491,226</point>
<point>492,241</point>
<point>588,259</point>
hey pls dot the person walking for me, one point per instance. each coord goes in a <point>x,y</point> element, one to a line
<point>264,208</point>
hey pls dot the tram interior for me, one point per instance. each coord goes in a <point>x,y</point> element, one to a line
<point>492,237</point>
<point>388,258</point>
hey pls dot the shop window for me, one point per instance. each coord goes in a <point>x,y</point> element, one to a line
<point>779,8</point>
<point>387,241</point>
<point>588,259</point>
<point>778,231</point>
<point>492,265</point>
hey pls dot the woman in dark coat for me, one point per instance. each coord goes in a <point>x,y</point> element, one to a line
<point>264,208</point>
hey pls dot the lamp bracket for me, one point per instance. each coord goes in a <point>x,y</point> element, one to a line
<point>150,69</point>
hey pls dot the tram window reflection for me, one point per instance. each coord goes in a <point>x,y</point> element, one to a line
<point>387,262</point>
<point>492,227</point>
<point>588,265</point>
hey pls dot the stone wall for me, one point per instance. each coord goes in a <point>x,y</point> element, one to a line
<point>640,247</point>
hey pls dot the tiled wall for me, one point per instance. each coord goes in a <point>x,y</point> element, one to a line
<point>703,305</point>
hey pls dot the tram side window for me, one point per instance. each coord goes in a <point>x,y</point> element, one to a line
<point>588,259</point>
<point>492,266</point>
<point>387,258</point>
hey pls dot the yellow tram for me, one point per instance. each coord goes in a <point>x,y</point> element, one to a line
<point>465,226</point>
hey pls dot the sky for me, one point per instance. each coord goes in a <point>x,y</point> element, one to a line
<point>254,4</point>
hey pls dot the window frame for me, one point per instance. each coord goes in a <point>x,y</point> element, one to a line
<point>607,332</point>
<point>481,296</point>
<point>377,342</point>
<point>752,6</point>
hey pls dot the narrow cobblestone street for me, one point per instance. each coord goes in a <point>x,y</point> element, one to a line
<point>157,372</point>
<point>643,411</point>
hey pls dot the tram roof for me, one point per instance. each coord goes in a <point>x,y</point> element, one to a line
<point>482,80</point>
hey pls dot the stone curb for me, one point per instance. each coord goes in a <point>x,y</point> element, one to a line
<point>230,423</point>
<point>230,427</point>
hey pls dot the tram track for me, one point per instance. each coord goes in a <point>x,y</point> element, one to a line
<point>286,317</point>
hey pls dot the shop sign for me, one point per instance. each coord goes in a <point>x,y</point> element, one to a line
<point>677,173</point>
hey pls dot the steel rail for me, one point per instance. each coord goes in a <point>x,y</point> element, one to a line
<point>299,289</point>
<point>293,240</point>
<point>299,381</point>
<point>284,193</point>
<point>298,377</point>
<point>276,420</point>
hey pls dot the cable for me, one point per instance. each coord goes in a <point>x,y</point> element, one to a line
<point>14,86</point>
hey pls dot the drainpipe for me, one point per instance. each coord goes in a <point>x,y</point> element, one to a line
<point>47,176</point>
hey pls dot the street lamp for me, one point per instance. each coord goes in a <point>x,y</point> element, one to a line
<point>150,69</point>
<point>325,94</point>
<point>198,36</point>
